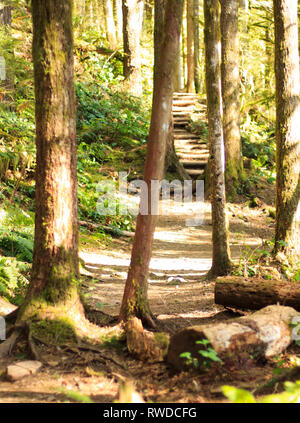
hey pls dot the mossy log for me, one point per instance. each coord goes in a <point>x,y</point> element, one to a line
<point>240,342</point>
<point>256,293</point>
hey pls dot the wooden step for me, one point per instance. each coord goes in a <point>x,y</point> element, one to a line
<point>194,164</point>
<point>195,172</point>
<point>192,156</point>
<point>182,103</point>
<point>186,136</point>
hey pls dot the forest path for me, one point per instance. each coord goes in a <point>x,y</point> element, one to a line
<point>181,257</point>
<point>192,151</point>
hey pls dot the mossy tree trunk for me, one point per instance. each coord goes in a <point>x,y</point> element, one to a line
<point>221,263</point>
<point>135,299</point>
<point>132,29</point>
<point>55,262</point>
<point>287,232</point>
<point>231,95</point>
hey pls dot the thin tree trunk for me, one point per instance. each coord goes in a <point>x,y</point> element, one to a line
<point>196,46</point>
<point>110,24</point>
<point>5,15</point>
<point>135,300</point>
<point>55,261</point>
<point>231,95</point>
<point>7,98</point>
<point>118,15</point>
<point>190,47</point>
<point>132,29</point>
<point>287,232</point>
<point>221,263</point>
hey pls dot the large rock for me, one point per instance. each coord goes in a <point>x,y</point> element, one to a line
<point>22,369</point>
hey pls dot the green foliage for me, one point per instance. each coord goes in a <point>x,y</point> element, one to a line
<point>107,118</point>
<point>238,395</point>
<point>17,147</point>
<point>75,396</point>
<point>291,394</point>
<point>14,279</point>
<point>16,243</point>
<point>207,352</point>
<point>251,260</point>
<point>16,234</point>
<point>258,144</point>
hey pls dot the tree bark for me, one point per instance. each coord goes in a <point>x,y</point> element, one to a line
<point>5,15</point>
<point>135,299</point>
<point>55,262</point>
<point>196,25</point>
<point>221,263</point>
<point>118,15</point>
<point>110,24</point>
<point>132,29</point>
<point>231,95</point>
<point>240,342</point>
<point>190,48</point>
<point>287,232</point>
<point>254,294</point>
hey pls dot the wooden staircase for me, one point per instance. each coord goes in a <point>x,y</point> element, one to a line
<point>193,152</point>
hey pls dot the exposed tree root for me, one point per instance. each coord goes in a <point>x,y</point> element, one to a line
<point>19,331</point>
<point>148,321</point>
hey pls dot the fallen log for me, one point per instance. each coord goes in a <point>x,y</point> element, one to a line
<point>240,342</point>
<point>256,293</point>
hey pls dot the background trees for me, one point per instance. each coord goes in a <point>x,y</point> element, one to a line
<point>287,239</point>
<point>132,29</point>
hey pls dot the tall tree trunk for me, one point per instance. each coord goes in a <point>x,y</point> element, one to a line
<point>118,15</point>
<point>287,232</point>
<point>5,14</point>
<point>221,263</point>
<point>231,95</point>
<point>190,47</point>
<point>132,29</point>
<point>55,261</point>
<point>172,163</point>
<point>196,46</point>
<point>135,300</point>
<point>268,49</point>
<point>110,24</point>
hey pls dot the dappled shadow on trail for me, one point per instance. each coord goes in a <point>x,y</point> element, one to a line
<point>178,294</point>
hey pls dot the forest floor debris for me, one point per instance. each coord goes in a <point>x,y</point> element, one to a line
<point>180,252</point>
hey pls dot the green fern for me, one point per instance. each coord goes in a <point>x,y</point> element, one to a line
<point>13,279</point>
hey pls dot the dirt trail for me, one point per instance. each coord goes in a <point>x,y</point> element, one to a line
<point>181,257</point>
